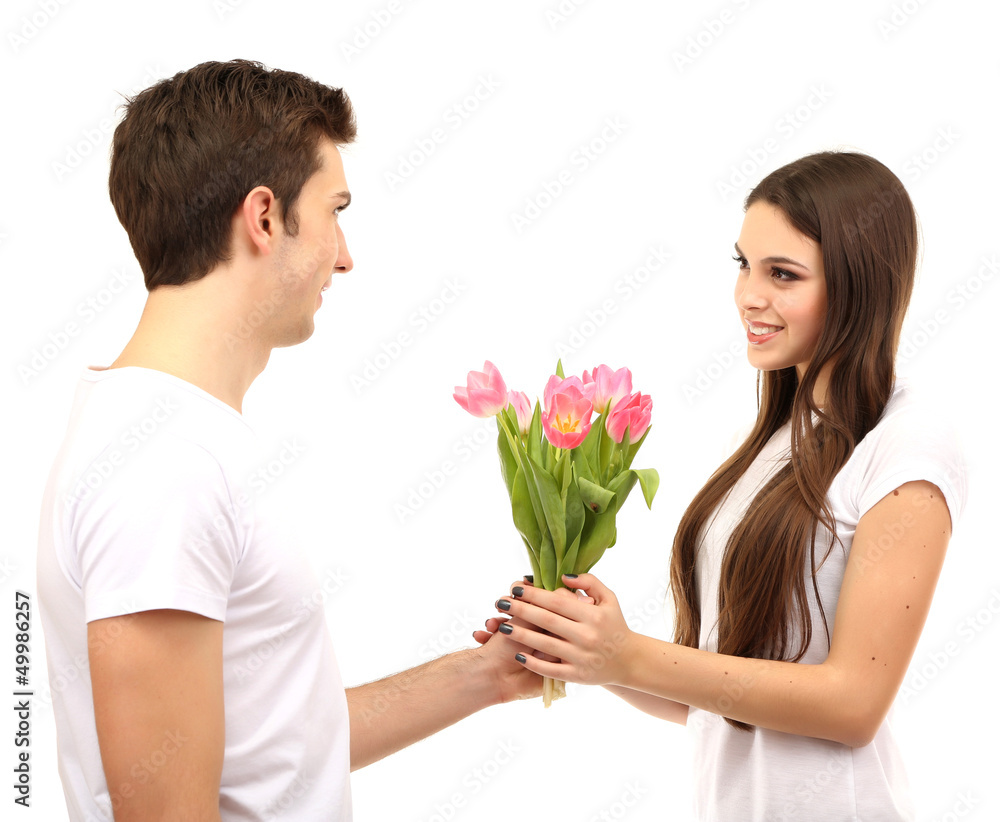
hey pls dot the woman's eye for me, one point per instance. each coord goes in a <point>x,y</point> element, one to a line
<point>781,274</point>
<point>741,260</point>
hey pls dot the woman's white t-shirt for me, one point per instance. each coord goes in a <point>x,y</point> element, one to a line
<point>769,775</point>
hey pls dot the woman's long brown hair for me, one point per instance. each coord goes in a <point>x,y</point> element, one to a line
<point>861,216</point>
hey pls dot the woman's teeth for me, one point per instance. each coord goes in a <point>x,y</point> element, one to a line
<point>760,330</point>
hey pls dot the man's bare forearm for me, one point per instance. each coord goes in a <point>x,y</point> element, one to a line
<point>391,713</point>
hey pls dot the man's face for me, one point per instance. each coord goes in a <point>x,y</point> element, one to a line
<point>305,263</point>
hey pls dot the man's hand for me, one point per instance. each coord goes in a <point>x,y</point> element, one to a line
<point>391,713</point>
<point>513,680</point>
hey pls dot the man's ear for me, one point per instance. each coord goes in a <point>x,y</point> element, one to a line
<point>259,218</point>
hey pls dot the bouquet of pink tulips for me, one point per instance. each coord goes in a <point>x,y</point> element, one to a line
<point>567,474</point>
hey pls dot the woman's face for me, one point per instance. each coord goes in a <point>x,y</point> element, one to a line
<point>780,290</point>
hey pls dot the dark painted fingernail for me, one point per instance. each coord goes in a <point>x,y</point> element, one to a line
<point>520,658</point>
<point>517,590</point>
<point>529,578</point>
<point>505,628</point>
<point>503,604</point>
<point>571,576</point>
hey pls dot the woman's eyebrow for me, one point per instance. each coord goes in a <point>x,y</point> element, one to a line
<point>784,260</point>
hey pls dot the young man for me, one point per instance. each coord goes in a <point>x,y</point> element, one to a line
<point>209,689</point>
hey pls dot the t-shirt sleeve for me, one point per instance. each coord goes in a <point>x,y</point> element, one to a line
<point>161,531</point>
<point>915,444</point>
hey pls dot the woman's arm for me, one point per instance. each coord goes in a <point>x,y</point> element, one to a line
<point>651,704</point>
<point>884,600</point>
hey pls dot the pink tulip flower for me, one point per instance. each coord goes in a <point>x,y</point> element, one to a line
<point>522,407</point>
<point>557,384</point>
<point>609,386</point>
<point>566,420</point>
<point>485,394</point>
<point>633,414</point>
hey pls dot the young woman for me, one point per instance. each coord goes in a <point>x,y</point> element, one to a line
<point>803,570</point>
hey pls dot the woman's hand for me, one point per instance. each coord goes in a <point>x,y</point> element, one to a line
<point>587,632</point>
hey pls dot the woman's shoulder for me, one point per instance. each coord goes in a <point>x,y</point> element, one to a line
<point>914,410</point>
<point>915,438</point>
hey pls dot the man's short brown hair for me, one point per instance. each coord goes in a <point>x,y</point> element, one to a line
<point>190,148</point>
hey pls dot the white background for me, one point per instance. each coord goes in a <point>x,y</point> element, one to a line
<point>914,84</point>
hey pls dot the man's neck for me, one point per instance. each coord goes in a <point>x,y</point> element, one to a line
<point>197,335</point>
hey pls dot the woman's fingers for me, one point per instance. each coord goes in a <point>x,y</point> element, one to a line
<point>563,601</point>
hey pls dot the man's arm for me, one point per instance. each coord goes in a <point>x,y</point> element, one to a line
<point>391,713</point>
<point>158,704</point>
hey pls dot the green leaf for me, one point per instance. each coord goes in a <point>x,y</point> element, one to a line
<point>633,449</point>
<point>551,506</point>
<point>582,466</point>
<point>575,520</point>
<point>536,568</point>
<point>564,471</point>
<point>599,533</point>
<point>607,445</point>
<point>536,441</point>
<point>595,497</point>
<point>525,518</point>
<point>508,462</point>
<point>649,481</point>
<point>547,565</point>
<point>622,486</point>
<point>559,370</point>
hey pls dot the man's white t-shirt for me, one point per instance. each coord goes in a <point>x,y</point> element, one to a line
<point>768,775</point>
<point>151,504</point>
